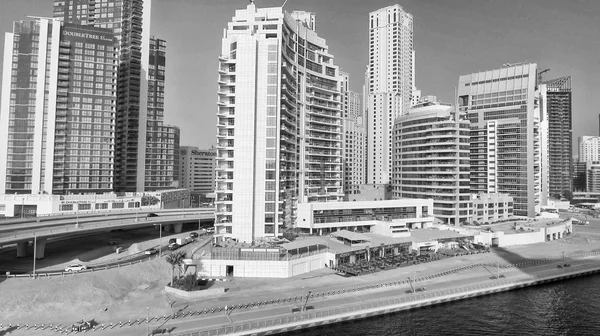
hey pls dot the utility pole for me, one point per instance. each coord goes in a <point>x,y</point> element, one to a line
<point>147,320</point>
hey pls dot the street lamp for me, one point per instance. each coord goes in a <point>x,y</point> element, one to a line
<point>160,241</point>
<point>147,320</point>
<point>34,252</point>
<point>302,298</point>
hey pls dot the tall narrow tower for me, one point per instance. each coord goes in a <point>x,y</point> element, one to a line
<point>389,86</point>
<point>560,134</point>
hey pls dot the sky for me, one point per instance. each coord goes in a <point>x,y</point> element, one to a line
<point>451,38</point>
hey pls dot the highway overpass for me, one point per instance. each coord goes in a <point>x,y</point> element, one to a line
<point>39,233</point>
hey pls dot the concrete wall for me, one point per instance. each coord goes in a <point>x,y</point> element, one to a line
<point>266,269</point>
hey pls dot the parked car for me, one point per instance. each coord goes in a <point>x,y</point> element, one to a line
<point>151,251</point>
<point>172,240</point>
<point>75,268</point>
<point>81,326</point>
<point>174,246</point>
<point>210,230</point>
<point>152,214</point>
<point>194,234</point>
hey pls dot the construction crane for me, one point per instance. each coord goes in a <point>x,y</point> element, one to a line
<point>539,75</point>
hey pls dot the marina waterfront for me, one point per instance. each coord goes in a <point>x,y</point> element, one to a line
<point>568,307</point>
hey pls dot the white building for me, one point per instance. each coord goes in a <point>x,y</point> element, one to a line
<point>279,123</point>
<point>431,160</point>
<point>197,169</point>
<point>389,85</point>
<point>589,148</point>
<point>507,134</point>
<point>390,216</point>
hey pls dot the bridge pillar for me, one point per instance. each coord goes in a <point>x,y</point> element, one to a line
<point>22,249</point>
<point>177,227</point>
<point>168,227</point>
<point>40,248</point>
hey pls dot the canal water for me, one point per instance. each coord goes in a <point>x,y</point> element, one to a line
<point>570,307</point>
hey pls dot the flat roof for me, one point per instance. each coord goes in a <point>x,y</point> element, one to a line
<point>300,243</point>
<point>354,236</point>
<point>420,235</point>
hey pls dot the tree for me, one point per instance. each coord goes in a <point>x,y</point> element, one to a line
<point>568,194</point>
<point>175,259</point>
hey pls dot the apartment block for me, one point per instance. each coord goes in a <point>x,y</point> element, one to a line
<point>505,111</point>
<point>431,160</point>
<point>589,148</point>
<point>162,141</point>
<point>560,134</point>
<point>279,128</point>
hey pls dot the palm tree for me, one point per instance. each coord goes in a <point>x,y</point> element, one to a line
<point>175,259</point>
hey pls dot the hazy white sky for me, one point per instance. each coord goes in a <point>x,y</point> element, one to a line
<point>452,37</point>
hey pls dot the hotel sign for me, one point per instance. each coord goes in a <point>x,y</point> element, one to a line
<point>88,35</point>
<point>203,153</point>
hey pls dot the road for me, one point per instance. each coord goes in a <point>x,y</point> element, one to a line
<point>6,228</point>
<point>471,277</point>
<point>72,229</point>
<point>131,258</point>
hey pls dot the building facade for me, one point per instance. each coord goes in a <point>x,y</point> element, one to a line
<point>503,106</point>
<point>162,141</point>
<point>589,148</point>
<point>353,137</point>
<point>490,208</point>
<point>279,128</point>
<point>130,21</point>
<point>592,176</point>
<point>560,134</point>
<point>579,171</point>
<point>389,85</point>
<point>197,169</point>
<point>322,218</point>
<point>431,160</point>
<point>57,115</point>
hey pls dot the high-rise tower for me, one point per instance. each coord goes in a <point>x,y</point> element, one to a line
<point>506,113</point>
<point>389,86</point>
<point>162,141</point>
<point>130,21</point>
<point>58,109</point>
<point>279,123</point>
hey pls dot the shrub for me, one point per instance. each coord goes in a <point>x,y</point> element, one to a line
<point>189,283</point>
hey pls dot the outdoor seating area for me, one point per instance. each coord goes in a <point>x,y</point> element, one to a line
<point>377,264</point>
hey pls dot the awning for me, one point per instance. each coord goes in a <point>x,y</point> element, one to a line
<point>349,235</point>
<point>301,243</point>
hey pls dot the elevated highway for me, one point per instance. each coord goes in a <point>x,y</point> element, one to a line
<point>40,232</point>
